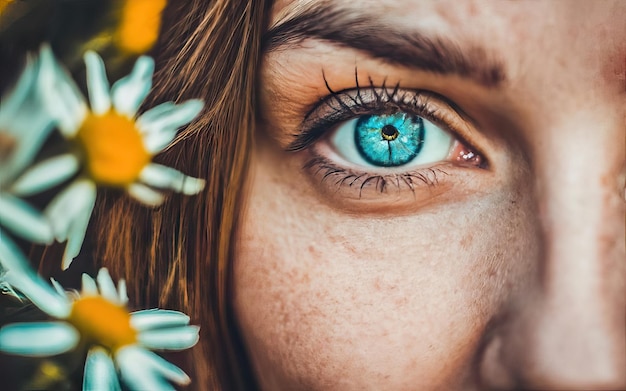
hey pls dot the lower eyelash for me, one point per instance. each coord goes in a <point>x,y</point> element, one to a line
<point>341,177</point>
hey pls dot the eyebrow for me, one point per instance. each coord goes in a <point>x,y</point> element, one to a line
<point>364,32</point>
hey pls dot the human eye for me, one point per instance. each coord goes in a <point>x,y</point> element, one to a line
<point>399,139</point>
<point>370,141</point>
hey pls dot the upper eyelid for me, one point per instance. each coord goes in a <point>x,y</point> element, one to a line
<point>424,103</point>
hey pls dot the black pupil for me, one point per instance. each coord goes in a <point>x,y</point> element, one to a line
<point>389,130</point>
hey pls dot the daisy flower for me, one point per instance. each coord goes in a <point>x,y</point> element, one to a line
<point>24,126</point>
<point>139,25</point>
<point>119,342</point>
<point>114,144</point>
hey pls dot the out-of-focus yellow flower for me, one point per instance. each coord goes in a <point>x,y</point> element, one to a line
<point>4,4</point>
<point>139,25</point>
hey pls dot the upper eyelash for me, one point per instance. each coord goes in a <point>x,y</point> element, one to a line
<point>313,128</point>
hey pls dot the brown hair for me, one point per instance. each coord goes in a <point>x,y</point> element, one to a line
<point>178,255</point>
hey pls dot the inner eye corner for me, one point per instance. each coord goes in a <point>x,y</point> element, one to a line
<point>465,153</point>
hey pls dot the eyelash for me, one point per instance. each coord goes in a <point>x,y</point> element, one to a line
<point>428,176</point>
<point>350,103</point>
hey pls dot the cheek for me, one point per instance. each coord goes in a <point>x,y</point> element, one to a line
<point>330,301</point>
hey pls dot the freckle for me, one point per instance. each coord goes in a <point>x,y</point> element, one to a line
<point>471,9</point>
<point>466,241</point>
<point>401,302</point>
<point>377,286</point>
<point>311,250</point>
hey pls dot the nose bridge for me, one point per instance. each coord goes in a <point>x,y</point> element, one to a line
<point>576,326</point>
<point>582,223</point>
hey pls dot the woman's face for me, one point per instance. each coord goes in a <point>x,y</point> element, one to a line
<point>436,197</point>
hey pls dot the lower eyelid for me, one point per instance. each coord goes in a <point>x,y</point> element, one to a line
<point>362,192</point>
<point>392,190</point>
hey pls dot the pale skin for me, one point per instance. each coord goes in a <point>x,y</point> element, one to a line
<point>502,275</point>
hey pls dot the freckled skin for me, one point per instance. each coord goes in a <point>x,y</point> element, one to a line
<point>515,277</point>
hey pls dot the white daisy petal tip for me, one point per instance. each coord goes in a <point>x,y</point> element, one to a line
<point>157,318</point>
<point>69,214</point>
<point>145,66</point>
<point>60,94</point>
<point>164,177</point>
<point>107,286</point>
<point>97,83</point>
<point>175,338</point>
<point>192,108</point>
<point>45,52</point>
<point>88,285</point>
<point>122,292</point>
<point>58,287</point>
<point>130,91</point>
<point>192,185</point>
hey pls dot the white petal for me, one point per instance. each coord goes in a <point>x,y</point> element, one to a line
<point>156,318</point>
<point>97,83</point>
<point>157,141</point>
<point>58,287</point>
<point>77,231</point>
<point>61,96</point>
<point>164,177</point>
<point>15,98</point>
<point>89,287</point>
<point>130,91</point>
<point>176,338</point>
<point>154,115</point>
<point>23,220</point>
<point>122,294</point>
<point>69,213</point>
<point>67,205</point>
<point>39,292</point>
<point>46,174</point>
<point>38,338</point>
<point>144,370</point>
<point>99,372</point>
<point>136,378</point>
<point>145,194</point>
<point>11,257</point>
<point>106,285</point>
<point>168,117</point>
<point>24,118</point>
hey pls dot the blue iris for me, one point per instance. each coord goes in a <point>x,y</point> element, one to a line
<point>389,140</point>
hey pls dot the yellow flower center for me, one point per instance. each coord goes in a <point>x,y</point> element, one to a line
<point>140,24</point>
<point>114,148</point>
<point>103,322</point>
<point>4,4</point>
